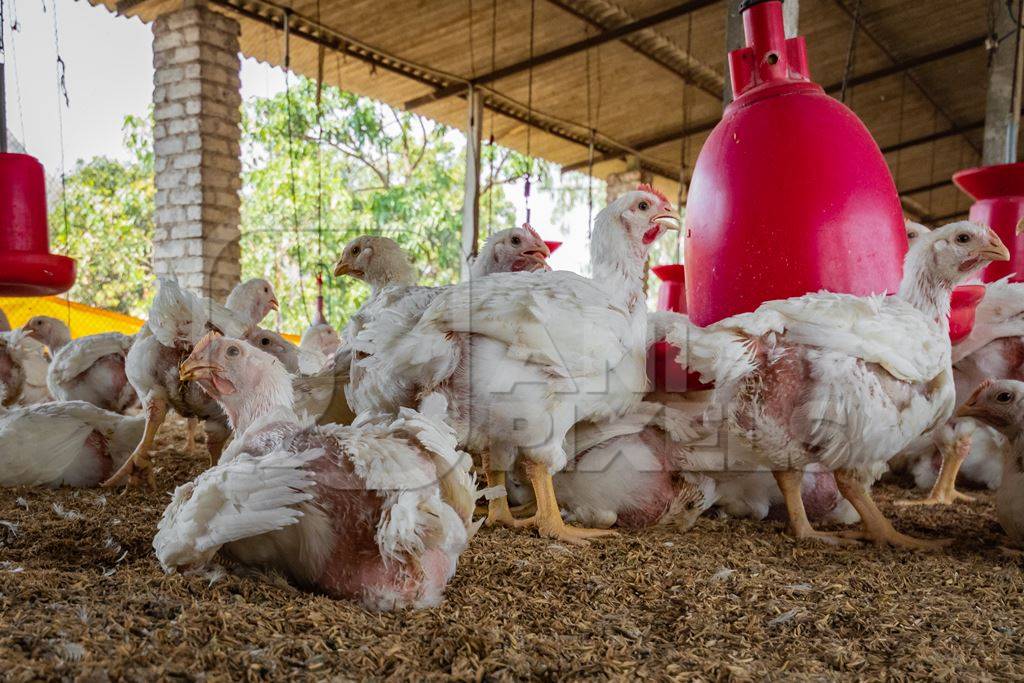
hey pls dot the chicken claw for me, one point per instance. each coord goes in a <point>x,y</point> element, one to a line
<point>799,527</point>
<point>548,518</point>
<point>876,527</point>
<point>139,463</point>
<point>944,491</point>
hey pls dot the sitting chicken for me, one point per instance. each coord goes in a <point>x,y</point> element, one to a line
<point>1000,405</point>
<point>23,368</point>
<point>355,512</point>
<point>843,381</point>
<point>177,320</point>
<point>522,357</point>
<point>89,368</point>
<point>72,443</point>
<point>511,251</point>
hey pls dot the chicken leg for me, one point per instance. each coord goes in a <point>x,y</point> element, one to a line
<point>139,463</point>
<point>876,527</point>
<point>548,518</point>
<point>944,490</point>
<point>190,436</point>
<point>790,483</point>
<point>498,512</point>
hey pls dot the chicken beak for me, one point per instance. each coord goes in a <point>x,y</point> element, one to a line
<point>274,305</point>
<point>669,220</point>
<point>969,409</point>
<point>194,369</point>
<point>341,268</point>
<point>995,250</point>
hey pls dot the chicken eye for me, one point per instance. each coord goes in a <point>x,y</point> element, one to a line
<point>1004,397</point>
<point>516,240</point>
<point>643,206</point>
<point>355,250</point>
<point>264,342</point>
<point>233,351</point>
<point>963,238</point>
<point>911,235</point>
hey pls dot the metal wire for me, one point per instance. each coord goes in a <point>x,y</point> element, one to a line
<point>529,111</point>
<point>291,162</point>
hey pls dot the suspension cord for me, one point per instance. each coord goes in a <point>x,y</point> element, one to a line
<point>490,139</point>
<point>291,157</point>
<point>62,94</point>
<point>685,142</point>
<point>529,111</point>
<point>850,50</point>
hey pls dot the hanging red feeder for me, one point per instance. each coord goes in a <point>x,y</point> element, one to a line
<point>790,194</point>
<point>998,192</point>
<point>963,305</point>
<point>27,268</point>
<point>662,369</point>
<point>552,245</point>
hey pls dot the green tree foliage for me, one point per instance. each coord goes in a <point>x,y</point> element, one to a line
<point>314,177</point>
<point>109,227</point>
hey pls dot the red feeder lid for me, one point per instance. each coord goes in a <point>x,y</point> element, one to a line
<point>552,246</point>
<point>963,306</point>
<point>27,268</point>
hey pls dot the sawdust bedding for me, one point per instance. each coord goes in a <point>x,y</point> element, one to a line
<point>82,597</point>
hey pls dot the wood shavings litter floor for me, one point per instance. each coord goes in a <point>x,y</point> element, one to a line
<point>82,597</point>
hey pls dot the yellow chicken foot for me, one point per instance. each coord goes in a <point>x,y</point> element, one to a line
<point>876,527</point>
<point>790,483</point>
<point>944,491</point>
<point>190,436</point>
<point>139,467</point>
<point>498,512</point>
<point>548,518</point>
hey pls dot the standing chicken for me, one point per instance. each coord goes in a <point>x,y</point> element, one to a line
<point>23,368</point>
<point>1000,405</point>
<point>72,443</point>
<point>89,368</point>
<point>320,340</point>
<point>177,320</point>
<point>522,357</point>
<point>840,380</point>
<point>252,300</point>
<point>355,512</point>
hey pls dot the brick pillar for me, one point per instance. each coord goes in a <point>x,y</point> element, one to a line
<point>196,141</point>
<point>618,183</point>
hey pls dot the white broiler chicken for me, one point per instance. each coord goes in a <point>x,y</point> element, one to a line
<point>511,251</point>
<point>320,340</point>
<point>69,443</point>
<point>963,447</point>
<point>295,360</point>
<point>177,320</point>
<point>522,357</point>
<point>252,300</point>
<point>395,303</point>
<point>89,368</point>
<point>23,368</point>
<point>999,404</point>
<point>843,381</point>
<point>356,512</point>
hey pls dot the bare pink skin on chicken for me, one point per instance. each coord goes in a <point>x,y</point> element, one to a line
<point>660,496</point>
<point>820,498</point>
<point>93,465</point>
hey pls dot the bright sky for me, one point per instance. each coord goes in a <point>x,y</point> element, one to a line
<point>109,74</point>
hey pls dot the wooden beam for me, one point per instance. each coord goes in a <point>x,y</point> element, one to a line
<point>471,197</point>
<point>1003,100</point>
<point>650,44</point>
<point>673,12</point>
<point>869,77</point>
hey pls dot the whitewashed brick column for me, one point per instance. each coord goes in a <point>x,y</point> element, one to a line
<point>196,142</point>
<point>620,183</point>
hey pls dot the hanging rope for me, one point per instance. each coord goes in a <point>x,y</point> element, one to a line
<point>62,94</point>
<point>899,134</point>
<point>319,179</point>
<point>15,67</point>
<point>529,112</point>
<point>291,158</point>
<point>850,50</point>
<point>490,139</point>
<point>685,141</point>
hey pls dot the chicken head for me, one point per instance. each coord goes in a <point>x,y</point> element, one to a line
<point>377,261</point>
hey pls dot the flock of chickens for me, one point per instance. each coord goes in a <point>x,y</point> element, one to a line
<point>349,462</point>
